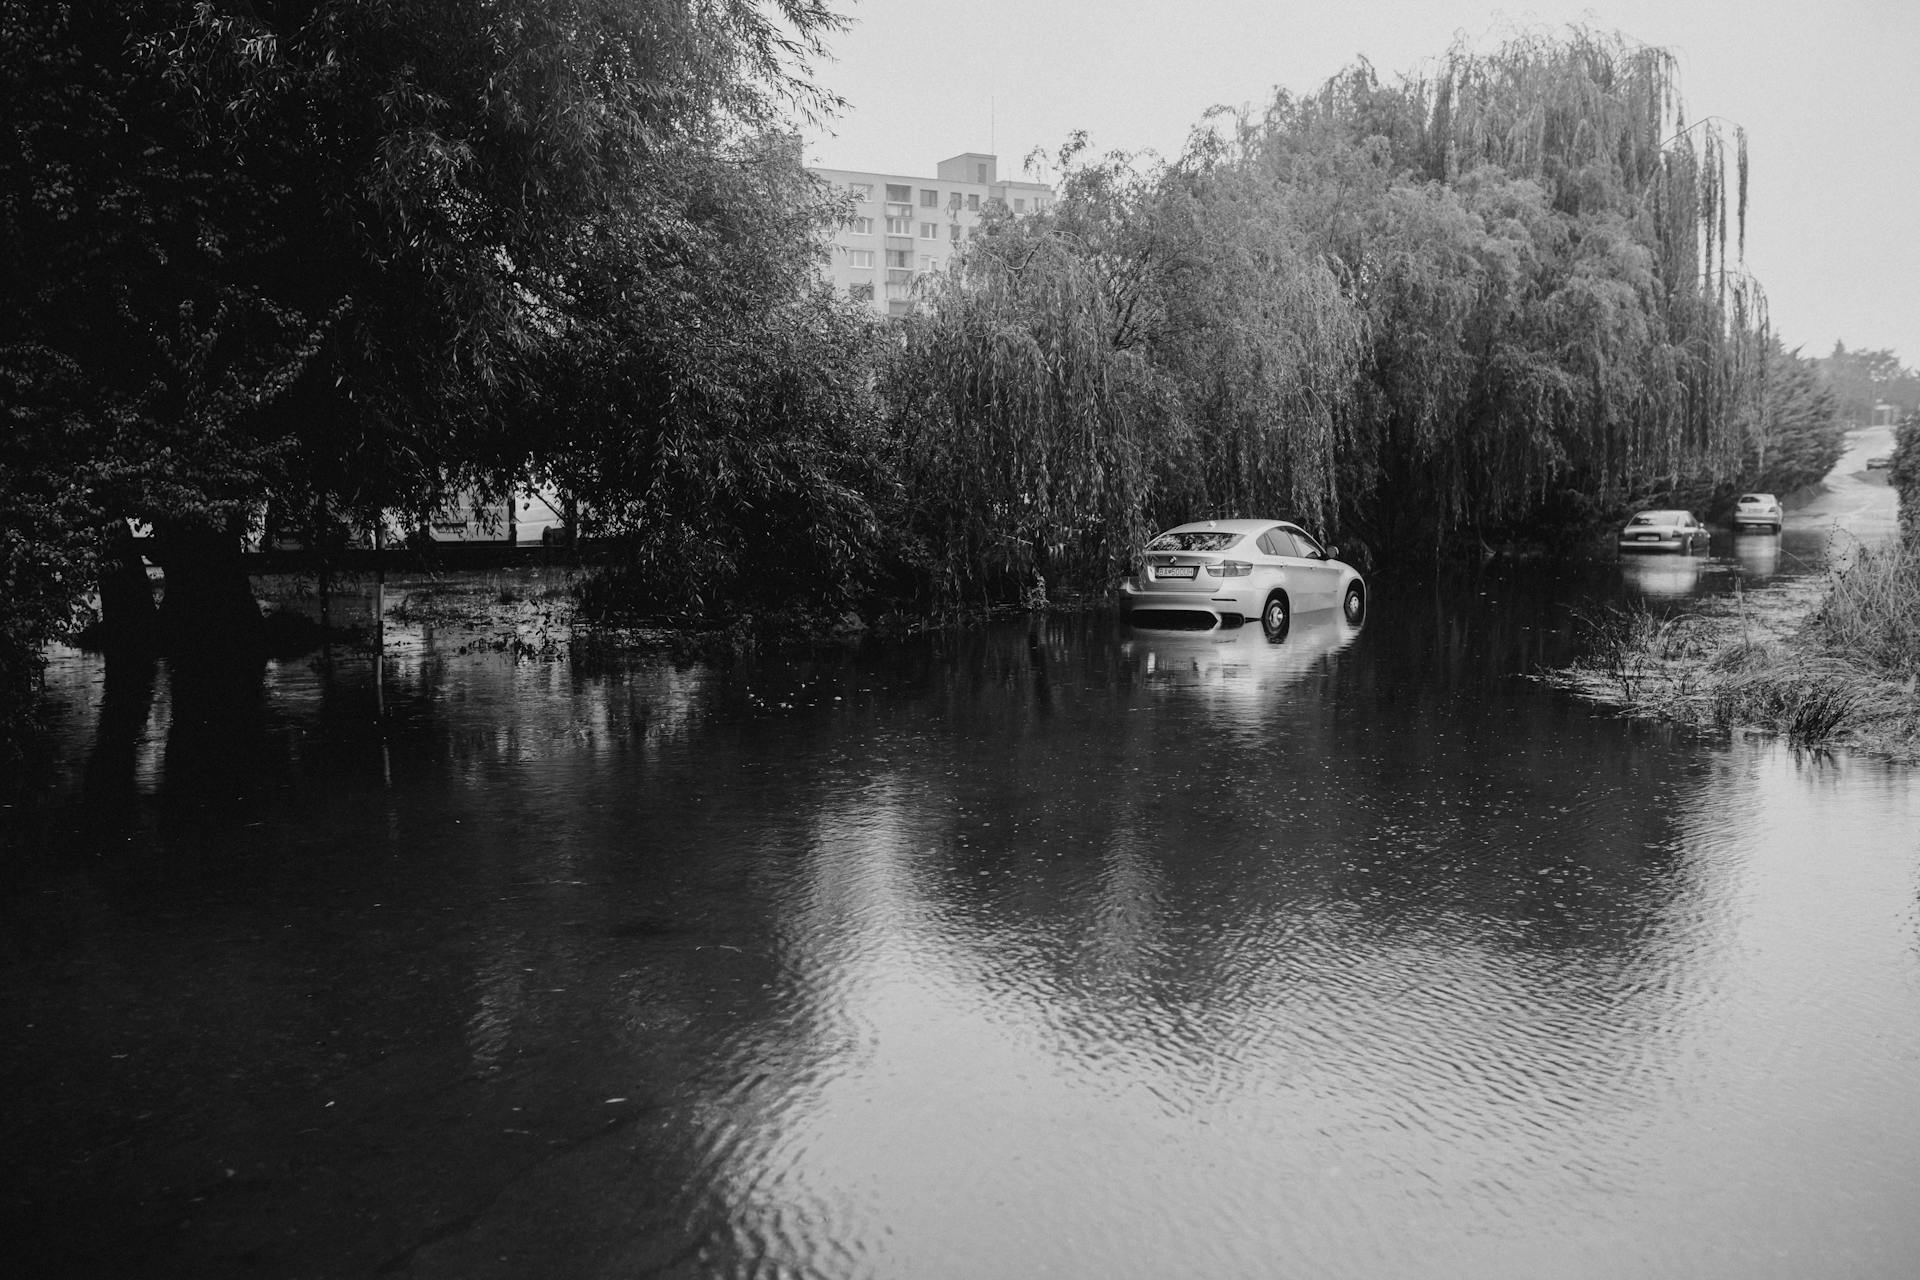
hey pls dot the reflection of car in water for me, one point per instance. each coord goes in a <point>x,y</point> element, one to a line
<point>1757,557</point>
<point>1663,576</point>
<point>1222,573</point>
<point>1243,661</point>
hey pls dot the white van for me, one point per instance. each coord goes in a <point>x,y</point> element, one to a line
<point>528,518</point>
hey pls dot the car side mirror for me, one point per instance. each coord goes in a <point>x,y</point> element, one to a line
<point>1332,553</point>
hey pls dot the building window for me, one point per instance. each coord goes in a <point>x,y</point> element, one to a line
<point>899,226</point>
<point>899,257</point>
<point>859,257</point>
<point>860,226</point>
<point>861,190</point>
<point>973,203</point>
<point>898,194</point>
<point>929,263</point>
<point>929,199</point>
<point>1019,205</point>
<point>980,173</point>
<point>953,232</point>
<point>899,211</point>
<point>861,291</point>
<point>929,231</point>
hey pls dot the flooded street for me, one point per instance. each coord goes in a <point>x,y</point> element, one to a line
<point>1052,949</point>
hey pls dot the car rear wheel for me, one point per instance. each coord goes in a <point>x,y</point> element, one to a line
<point>1354,604</point>
<point>1275,615</point>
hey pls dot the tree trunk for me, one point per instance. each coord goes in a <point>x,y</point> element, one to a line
<point>128,620</point>
<point>208,608</point>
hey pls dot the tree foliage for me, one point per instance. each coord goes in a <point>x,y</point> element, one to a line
<point>317,252</point>
<point>710,404</point>
<point>1904,475</point>
<point>1863,379</point>
<point>1457,306</point>
<point>1798,435</point>
<point>1027,435</point>
<point>349,255</point>
<point>1156,344</point>
<point>1541,246</point>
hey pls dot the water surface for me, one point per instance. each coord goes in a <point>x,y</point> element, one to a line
<point>1049,949</point>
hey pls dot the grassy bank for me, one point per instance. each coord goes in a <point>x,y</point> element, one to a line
<point>1832,663</point>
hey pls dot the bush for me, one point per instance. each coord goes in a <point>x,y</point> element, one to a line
<point>1905,477</point>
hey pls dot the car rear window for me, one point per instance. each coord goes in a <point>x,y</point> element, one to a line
<point>1195,540</point>
<point>1752,497</point>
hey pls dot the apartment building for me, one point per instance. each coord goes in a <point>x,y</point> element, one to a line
<point>904,227</point>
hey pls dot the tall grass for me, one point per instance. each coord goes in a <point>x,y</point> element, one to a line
<point>1871,613</point>
<point>1634,649</point>
<point>1847,677</point>
<point>1810,699</point>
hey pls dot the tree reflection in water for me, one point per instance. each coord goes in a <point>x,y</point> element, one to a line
<point>1050,947</point>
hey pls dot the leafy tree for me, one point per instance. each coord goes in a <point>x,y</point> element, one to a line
<point>1540,245</point>
<point>1026,433</point>
<point>1862,379</point>
<point>710,403</point>
<point>1797,436</point>
<point>1155,347</point>
<point>1904,474</point>
<point>315,252</point>
<point>1258,338</point>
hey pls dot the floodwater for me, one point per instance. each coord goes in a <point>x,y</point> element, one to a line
<point>1051,949</point>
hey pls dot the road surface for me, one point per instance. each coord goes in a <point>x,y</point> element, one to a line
<point>1855,500</point>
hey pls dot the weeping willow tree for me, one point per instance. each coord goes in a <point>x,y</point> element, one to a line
<point>1548,258</point>
<point>1257,334</point>
<point>1028,437</point>
<point>1160,346</point>
<point>1470,304</point>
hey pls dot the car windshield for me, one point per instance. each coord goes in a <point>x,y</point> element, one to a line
<point>1194,540</point>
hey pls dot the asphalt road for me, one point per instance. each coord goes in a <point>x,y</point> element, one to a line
<point>1856,500</point>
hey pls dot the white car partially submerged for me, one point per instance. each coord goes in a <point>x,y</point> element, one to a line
<point>1664,531</point>
<point>1223,573</point>
<point>1757,511</point>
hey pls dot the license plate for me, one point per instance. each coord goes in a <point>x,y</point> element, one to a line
<point>1649,537</point>
<point>1176,571</point>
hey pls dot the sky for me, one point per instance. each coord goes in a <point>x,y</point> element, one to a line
<point>1825,89</point>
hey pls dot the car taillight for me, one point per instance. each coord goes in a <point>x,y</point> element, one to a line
<point>1229,569</point>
